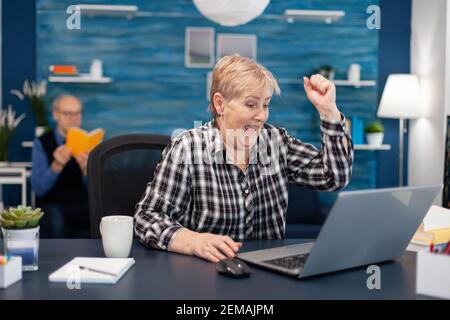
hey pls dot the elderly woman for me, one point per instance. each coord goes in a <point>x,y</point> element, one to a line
<point>226,181</point>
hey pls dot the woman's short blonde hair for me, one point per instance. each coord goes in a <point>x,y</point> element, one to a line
<point>234,74</point>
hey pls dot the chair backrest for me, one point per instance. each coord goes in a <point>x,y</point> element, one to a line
<point>304,205</point>
<point>118,172</point>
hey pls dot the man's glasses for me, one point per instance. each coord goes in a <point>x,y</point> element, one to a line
<point>70,114</point>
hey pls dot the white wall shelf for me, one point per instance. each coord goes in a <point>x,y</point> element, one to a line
<point>92,10</point>
<point>369,147</point>
<point>327,16</point>
<point>290,15</point>
<point>361,83</point>
<point>79,79</point>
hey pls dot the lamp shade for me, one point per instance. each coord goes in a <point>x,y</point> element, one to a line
<point>231,13</point>
<point>402,98</point>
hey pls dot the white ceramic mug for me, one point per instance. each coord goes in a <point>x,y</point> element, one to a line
<point>96,68</point>
<point>354,73</point>
<point>117,235</point>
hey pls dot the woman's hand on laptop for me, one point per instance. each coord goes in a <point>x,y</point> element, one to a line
<point>208,246</point>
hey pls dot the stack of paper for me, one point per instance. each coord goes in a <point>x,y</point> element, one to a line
<point>435,227</point>
<point>92,270</point>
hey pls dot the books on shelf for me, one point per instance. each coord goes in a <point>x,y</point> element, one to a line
<point>63,69</point>
<point>81,141</point>
<point>357,130</point>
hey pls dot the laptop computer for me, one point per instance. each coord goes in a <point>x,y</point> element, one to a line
<point>363,228</point>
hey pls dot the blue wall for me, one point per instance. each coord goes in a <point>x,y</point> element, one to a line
<point>18,63</point>
<point>394,57</point>
<point>153,91</point>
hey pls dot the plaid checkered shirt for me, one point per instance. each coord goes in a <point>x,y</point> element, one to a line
<point>198,187</point>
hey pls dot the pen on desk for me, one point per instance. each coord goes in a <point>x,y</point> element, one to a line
<point>431,247</point>
<point>97,271</point>
<point>447,248</point>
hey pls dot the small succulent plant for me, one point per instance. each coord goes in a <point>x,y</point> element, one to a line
<point>21,217</point>
<point>375,127</point>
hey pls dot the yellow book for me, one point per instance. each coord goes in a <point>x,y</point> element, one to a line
<point>81,141</point>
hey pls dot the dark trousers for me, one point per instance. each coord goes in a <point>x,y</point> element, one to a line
<point>65,220</point>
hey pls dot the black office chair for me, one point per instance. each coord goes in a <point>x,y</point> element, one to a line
<point>305,214</point>
<point>118,172</point>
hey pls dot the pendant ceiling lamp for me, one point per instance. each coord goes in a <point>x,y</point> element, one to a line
<point>231,13</point>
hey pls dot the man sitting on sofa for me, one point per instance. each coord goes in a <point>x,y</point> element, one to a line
<point>58,178</point>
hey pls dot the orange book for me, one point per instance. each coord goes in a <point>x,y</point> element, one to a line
<point>80,141</point>
<point>63,69</point>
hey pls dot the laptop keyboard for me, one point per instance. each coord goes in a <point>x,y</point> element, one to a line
<point>291,262</point>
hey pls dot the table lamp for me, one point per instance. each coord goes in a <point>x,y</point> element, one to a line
<point>401,99</point>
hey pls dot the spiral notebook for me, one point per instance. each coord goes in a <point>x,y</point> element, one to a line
<point>92,270</point>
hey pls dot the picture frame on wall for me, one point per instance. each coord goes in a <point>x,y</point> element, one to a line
<point>242,44</point>
<point>208,85</point>
<point>446,193</point>
<point>199,47</point>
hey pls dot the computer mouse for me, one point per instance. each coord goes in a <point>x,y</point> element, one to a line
<point>233,267</point>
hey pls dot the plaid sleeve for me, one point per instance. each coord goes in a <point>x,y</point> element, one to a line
<point>327,169</point>
<point>165,200</point>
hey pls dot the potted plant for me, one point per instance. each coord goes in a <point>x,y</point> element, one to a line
<point>8,122</point>
<point>327,71</point>
<point>20,228</point>
<point>375,133</point>
<point>35,92</point>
